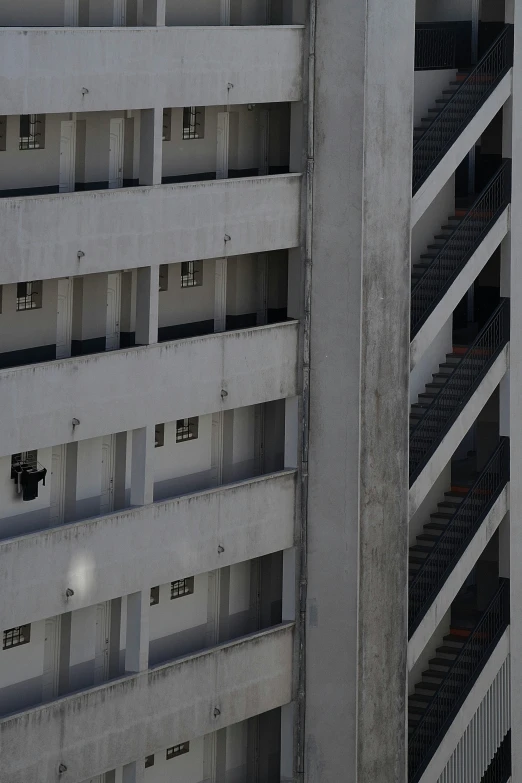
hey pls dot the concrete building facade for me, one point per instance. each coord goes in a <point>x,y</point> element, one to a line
<point>259,391</point>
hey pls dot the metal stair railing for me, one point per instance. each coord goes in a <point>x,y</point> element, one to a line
<point>442,45</point>
<point>449,697</point>
<point>499,770</point>
<point>453,257</point>
<point>460,530</point>
<point>462,106</point>
<point>461,384</point>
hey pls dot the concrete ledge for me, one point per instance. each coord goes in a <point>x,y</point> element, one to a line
<point>44,70</point>
<point>115,555</point>
<point>462,720</point>
<point>41,235</point>
<point>461,284</point>
<point>451,587</point>
<point>427,192</point>
<point>451,440</point>
<point>127,719</point>
<point>40,401</point>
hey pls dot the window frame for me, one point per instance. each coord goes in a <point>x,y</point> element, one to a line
<point>29,140</point>
<point>191,274</point>
<point>187,429</point>
<point>193,125</point>
<point>177,750</point>
<point>154,596</point>
<point>19,635</point>
<point>180,588</point>
<point>31,299</point>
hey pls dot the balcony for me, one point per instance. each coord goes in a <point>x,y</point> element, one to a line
<point>46,70</point>
<point>132,224</point>
<point>460,116</point>
<point>108,556</point>
<point>191,378</point>
<point>446,685</point>
<point>113,724</point>
<point>452,387</point>
<point>447,536</point>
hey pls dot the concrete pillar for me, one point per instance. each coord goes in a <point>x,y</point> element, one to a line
<point>71,470</point>
<point>147,303</point>
<point>142,466</point>
<point>133,772</point>
<point>151,146</point>
<point>220,295</point>
<point>70,13</point>
<point>216,449</point>
<point>289,576</point>
<point>224,12</point>
<point>262,288</point>
<point>356,633</point>
<point>287,743</point>
<point>153,14</point>
<point>215,757</point>
<point>137,634</point>
<point>223,134</point>
<point>297,131</point>
<point>291,432</point>
<point>218,606</point>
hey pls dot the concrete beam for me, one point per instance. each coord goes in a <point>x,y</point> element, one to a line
<point>78,69</point>
<point>106,557</point>
<point>113,724</point>
<point>43,235</point>
<point>40,401</point>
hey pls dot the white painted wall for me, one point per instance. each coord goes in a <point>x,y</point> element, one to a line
<point>432,357</point>
<point>429,505</point>
<point>189,461</point>
<point>180,305</point>
<point>428,87</point>
<point>239,446</point>
<point>88,478</point>
<point>31,168</point>
<point>97,141</point>
<point>81,672</point>
<point>437,214</point>
<point>177,626</point>
<point>236,753</point>
<point>21,669</point>
<point>187,768</point>
<point>242,285</point>
<point>28,328</point>
<point>89,321</point>
<point>18,516</point>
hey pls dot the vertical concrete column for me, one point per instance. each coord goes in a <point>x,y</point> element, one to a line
<point>137,634</point>
<point>153,13</point>
<point>216,449</point>
<point>224,12</point>
<point>70,13</point>
<point>222,149</point>
<point>291,432</point>
<point>147,304</point>
<point>357,533</point>
<point>71,473</point>
<point>289,577</point>
<point>220,295</point>
<point>151,146</point>
<point>142,466</point>
<point>287,742</point>
<point>262,288</point>
<point>134,772</point>
<point>297,131</point>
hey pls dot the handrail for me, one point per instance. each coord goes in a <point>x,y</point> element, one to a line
<point>451,259</point>
<point>461,383</point>
<point>471,94</point>
<point>458,682</point>
<point>448,549</point>
<point>442,45</point>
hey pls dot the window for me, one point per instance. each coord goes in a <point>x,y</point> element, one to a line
<point>193,122</point>
<point>178,750</point>
<point>191,274</point>
<point>29,457</point>
<point>32,132</point>
<point>3,133</point>
<point>29,295</point>
<point>159,435</point>
<point>167,124</point>
<point>187,429</point>
<point>14,637</point>
<point>181,587</point>
<point>149,761</point>
<point>164,277</point>
<point>154,596</point>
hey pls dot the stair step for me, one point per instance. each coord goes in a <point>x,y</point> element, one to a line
<point>428,537</point>
<point>421,548</point>
<point>448,649</point>
<point>416,560</point>
<point>414,710</point>
<point>441,515</point>
<point>436,526</point>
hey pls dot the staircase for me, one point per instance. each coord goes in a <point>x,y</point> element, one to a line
<point>458,105</point>
<point>452,673</point>
<point>452,386</point>
<point>450,530</point>
<point>452,248</point>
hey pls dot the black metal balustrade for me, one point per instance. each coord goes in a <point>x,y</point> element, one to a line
<point>442,45</point>
<point>448,549</point>
<point>457,683</point>
<point>462,106</point>
<point>429,289</point>
<point>453,396</point>
<point>499,771</point>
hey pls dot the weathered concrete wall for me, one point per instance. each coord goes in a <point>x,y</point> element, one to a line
<point>358,500</point>
<point>133,550</point>
<point>114,724</point>
<point>115,229</point>
<point>145,385</point>
<point>45,70</point>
